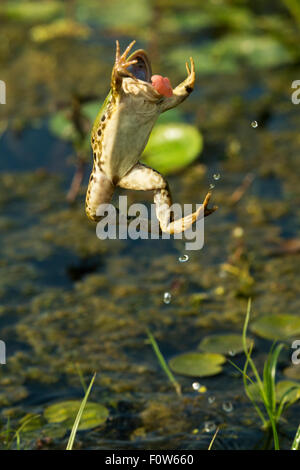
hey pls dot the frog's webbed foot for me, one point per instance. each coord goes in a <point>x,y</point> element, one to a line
<point>190,80</point>
<point>121,64</point>
<point>162,201</point>
<point>141,177</point>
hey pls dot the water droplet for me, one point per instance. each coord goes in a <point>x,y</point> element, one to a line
<point>209,426</point>
<point>211,186</point>
<point>231,352</point>
<point>254,124</point>
<point>199,388</point>
<point>196,385</point>
<point>183,258</point>
<point>227,406</point>
<point>216,176</point>
<point>211,399</point>
<point>167,297</point>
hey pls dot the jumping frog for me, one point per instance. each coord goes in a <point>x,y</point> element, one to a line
<point>121,131</point>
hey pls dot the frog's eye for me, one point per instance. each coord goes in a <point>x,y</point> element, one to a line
<point>142,69</point>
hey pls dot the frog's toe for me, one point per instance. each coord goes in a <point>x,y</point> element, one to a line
<point>122,69</point>
<point>117,51</point>
<point>207,210</point>
<point>122,58</point>
<point>191,72</point>
<point>127,50</point>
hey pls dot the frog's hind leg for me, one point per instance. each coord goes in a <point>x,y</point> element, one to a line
<point>141,177</point>
<point>100,191</point>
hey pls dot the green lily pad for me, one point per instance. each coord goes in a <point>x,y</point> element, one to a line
<point>61,28</point>
<point>33,426</point>
<point>281,388</point>
<point>223,344</point>
<point>292,372</point>
<point>277,326</point>
<point>91,109</point>
<point>228,54</point>
<point>29,11</point>
<point>61,126</point>
<point>195,364</point>
<point>65,413</point>
<point>31,422</point>
<point>172,147</point>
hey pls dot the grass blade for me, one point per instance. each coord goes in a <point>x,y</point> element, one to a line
<point>269,377</point>
<point>284,403</point>
<point>79,414</point>
<point>213,439</point>
<point>163,363</point>
<point>296,442</point>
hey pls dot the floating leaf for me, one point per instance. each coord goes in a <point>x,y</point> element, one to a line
<point>223,344</point>
<point>31,422</point>
<point>91,109</point>
<point>65,412</point>
<point>134,18</point>
<point>31,11</point>
<point>292,372</point>
<point>62,28</point>
<point>277,326</point>
<point>228,54</point>
<point>172,146</point>
<point>61,126</point>
<point>259,51</point>
<point>33,426</point>
<point>281,388</point>
<point>197,364</point>
<point>187,21</point>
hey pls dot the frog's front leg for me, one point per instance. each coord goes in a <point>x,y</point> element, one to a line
<point>141,177</point>
<point>120,67</point>
<point>182,91</point>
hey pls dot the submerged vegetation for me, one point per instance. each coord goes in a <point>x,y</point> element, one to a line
<point>72,305</point>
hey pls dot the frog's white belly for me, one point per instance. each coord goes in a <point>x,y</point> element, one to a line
<point>125,137</point>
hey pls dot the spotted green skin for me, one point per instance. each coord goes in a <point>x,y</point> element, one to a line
<point>120,134</point>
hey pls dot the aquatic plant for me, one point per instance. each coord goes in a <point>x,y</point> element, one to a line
<point>296,441</point>
<point>79,415</point>
<point>163,363</point>
<point>265,385</point>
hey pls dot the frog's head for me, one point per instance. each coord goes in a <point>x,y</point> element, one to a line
<point>137,74</point>
<point>142,69</point>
